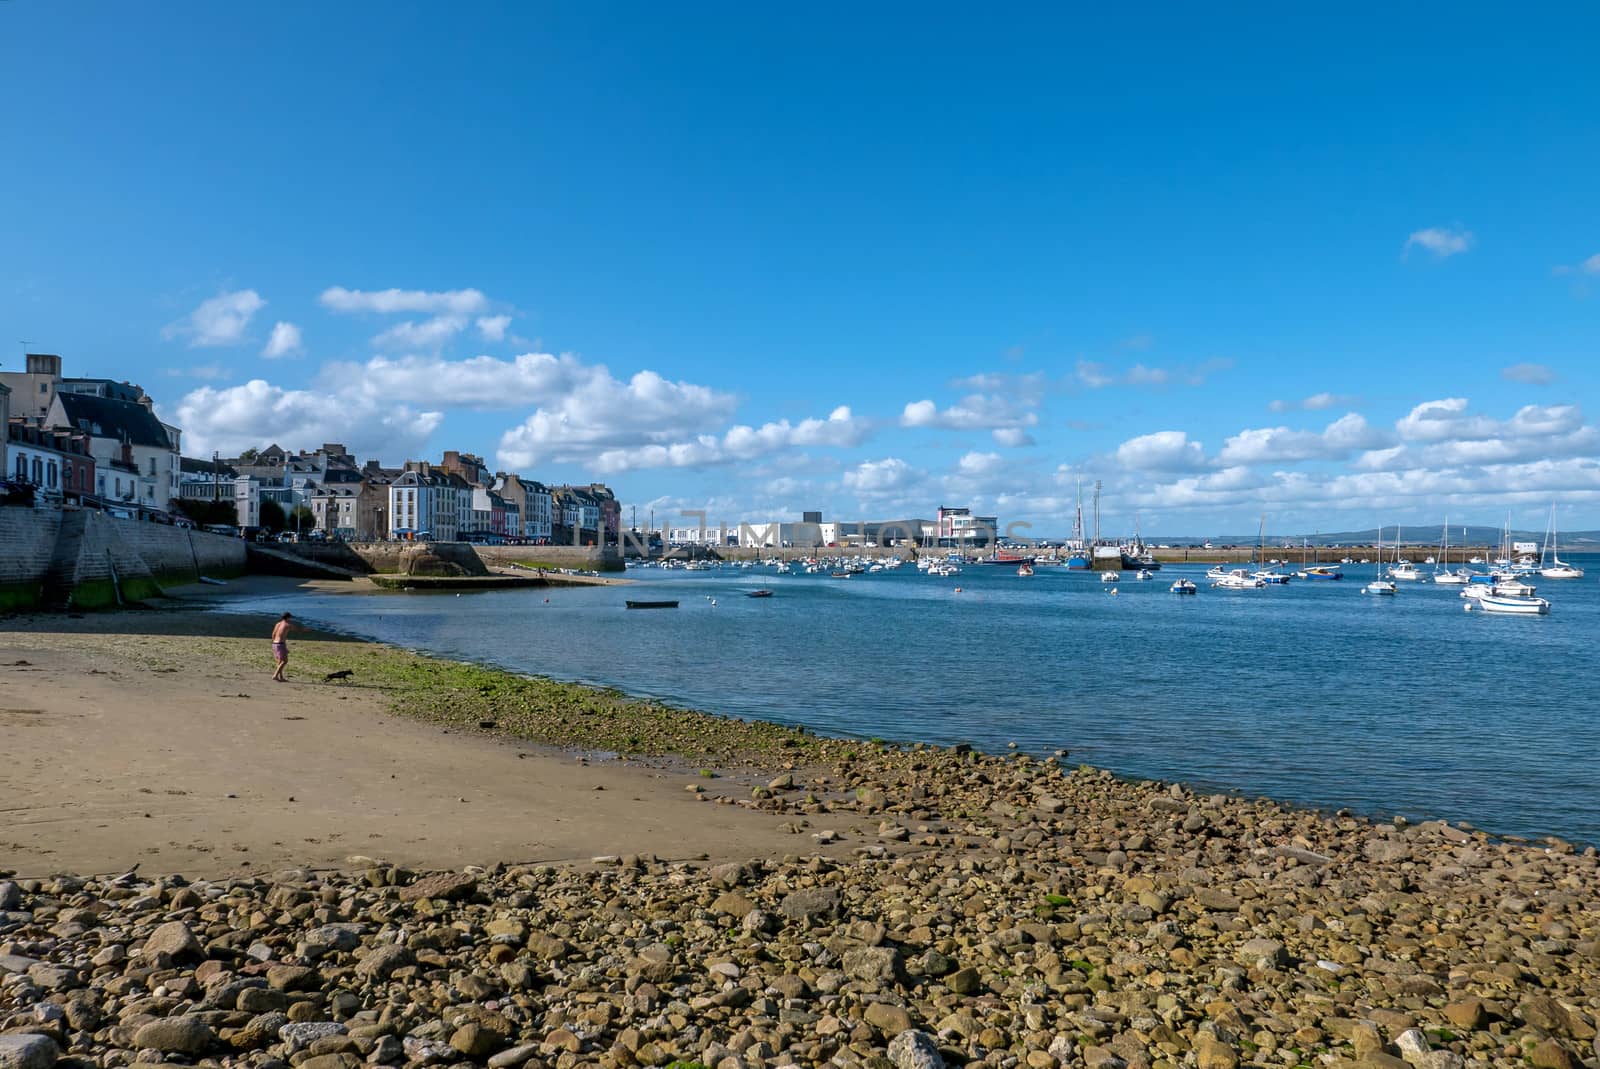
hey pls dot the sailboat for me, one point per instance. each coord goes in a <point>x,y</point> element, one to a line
<point>1379,584</point>
<point>1403,570</point>
<point>1078,561</point>
<point>1269,576</point>
<point>1556,568</point>
<point>1442,575</point>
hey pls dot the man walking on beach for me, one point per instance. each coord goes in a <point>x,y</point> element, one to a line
<point>280,644</point>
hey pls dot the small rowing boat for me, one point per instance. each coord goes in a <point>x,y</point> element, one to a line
<point>652,604</point>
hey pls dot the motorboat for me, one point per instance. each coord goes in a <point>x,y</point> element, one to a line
<point>1510,604</point>
<point>1110,577</point>
<point>1216,571</point>
<point>1405,572</point>
<point>1144,573</point>
<point>1184,586</point>
<point>1239,579</point>
<point>1025,570</point>
<point>1273,577</point>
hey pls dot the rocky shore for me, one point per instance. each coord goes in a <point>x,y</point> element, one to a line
<point>1007,912</point>
<point>935,907</point>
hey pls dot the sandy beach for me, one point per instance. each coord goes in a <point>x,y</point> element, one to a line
<point>416,867</point>
<point>157,738</point>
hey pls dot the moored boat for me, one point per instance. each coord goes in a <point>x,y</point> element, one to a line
<point>1510,604</point>
<point>1239,579</point>
<point>1184,586</point>
<point>651,604</point>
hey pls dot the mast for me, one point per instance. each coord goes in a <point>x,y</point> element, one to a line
<point>1097,512</point>
<point>1077,520</point>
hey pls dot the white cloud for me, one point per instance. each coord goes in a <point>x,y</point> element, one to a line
<point>238,417</point>
<point>980,465</point>
<point>428,335</point>
<point>464,302</point>
<point>1442,241</point>
<point>1316,402</point>
<point>285,341</point>
<point>1012,437</point>
<point>881,478</point>
<point>1163,451</point>
<point>221,320</point>
<point>597,414</point>
<point>840,429</point>
<point>493,328</point>
<point>1591,266</point>
<point>1532,374</point>
<point>975,412</point>
<point>1094,375</point>
<point>1276,445</point>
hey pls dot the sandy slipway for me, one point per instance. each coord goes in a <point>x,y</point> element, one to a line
<point>1037,918</point>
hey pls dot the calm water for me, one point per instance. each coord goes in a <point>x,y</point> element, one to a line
<point>1311,693</point>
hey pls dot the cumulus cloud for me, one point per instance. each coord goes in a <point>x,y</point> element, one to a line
<point>1277,445</point>
<point>881,478</point>
<point>221,320</point>
<point>493,328</point>
<point>1163,451</point>
<point>1005,417</point>
<point>1532,374</point>
<point>428,335</point>
<point>1442,241</point>
<point>285,341</point>
<point>463,302</point>
<point>1012,437</point>
<point>239,417</point>
<point>740,443</point>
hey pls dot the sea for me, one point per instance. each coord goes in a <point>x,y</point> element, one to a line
<point>1311,693</point>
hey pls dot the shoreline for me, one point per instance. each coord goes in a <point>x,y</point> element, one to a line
<point>1374,813</point>
<point>814,902</point>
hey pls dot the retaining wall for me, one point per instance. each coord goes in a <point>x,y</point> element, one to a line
<point>88,560</point>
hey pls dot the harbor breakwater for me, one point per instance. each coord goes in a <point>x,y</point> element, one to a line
<point>89,560</point>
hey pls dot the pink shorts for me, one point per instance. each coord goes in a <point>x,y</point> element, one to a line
<point>280,651</point>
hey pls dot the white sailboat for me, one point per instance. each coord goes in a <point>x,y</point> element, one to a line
<point>1379,584</point>
<point>1551,566</point>
<point>1443,575</point>
<point>1403,570</point>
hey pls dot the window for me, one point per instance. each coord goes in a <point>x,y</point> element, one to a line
<point>38,472</point>
<point>22,468</point>
<point>50,474</point>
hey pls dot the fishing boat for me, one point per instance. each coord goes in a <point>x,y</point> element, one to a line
<point>1184,586</point>
<point>1510,605</point>
<point>1380,585</point>
<point>759,594</point>
<point>1239,579</point>
<point>651,604</point>
<point>1556,568</point>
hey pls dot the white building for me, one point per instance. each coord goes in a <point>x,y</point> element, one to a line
<point>422,500</point>
<point>128,444</point>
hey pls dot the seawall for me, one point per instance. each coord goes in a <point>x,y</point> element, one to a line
<point>89,560</point>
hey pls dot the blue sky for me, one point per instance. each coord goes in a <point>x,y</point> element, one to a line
<point>1340,270</point>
